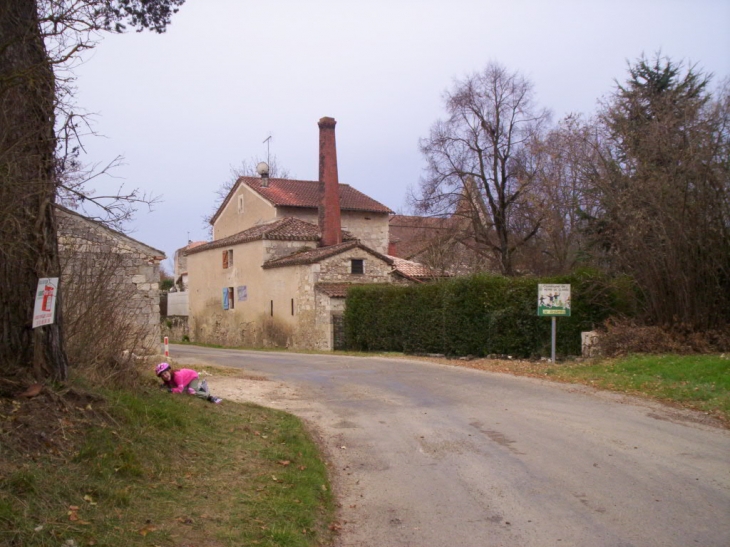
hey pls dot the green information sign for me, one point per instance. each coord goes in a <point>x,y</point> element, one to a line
<point>553,300</point>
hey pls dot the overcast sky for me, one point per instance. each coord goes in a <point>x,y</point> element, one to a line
<point>185,106</point>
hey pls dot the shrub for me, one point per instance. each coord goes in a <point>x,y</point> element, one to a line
<point>478,315</point>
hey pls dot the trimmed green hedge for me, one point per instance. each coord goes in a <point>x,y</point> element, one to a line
<point>478,315</point>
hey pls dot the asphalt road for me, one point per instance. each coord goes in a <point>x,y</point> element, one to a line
<point>428,455</point>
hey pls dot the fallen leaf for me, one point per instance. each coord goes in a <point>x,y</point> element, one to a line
<point>146,530</point>
<point>302,467</point>
<point>33,391</point>
<point>89,499</point>
<point>284,462</point>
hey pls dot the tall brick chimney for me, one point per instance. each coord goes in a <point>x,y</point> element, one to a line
<point>329,208</point>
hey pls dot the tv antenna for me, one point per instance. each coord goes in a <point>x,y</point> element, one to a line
<point>267,140</point>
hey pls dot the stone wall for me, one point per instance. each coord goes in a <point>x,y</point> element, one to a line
<point>127,272</point>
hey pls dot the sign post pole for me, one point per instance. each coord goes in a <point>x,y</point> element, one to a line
<point>555,328</point>
<point>167,347</point>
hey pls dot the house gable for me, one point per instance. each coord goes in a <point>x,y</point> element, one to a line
<point>242,209</point>
<point>254,200</point>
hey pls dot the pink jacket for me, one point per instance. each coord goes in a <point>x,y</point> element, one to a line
<point>181,378</point>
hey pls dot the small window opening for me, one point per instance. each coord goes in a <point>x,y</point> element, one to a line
<point>292,306</point>
<point>357,266</point>
<point>228,259</point>
<point>272,308</point>
<point>228,298</point>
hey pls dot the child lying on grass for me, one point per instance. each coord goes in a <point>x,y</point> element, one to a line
<point>184,380</point>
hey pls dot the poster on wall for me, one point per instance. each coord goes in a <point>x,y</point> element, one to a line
<point>46,293</point>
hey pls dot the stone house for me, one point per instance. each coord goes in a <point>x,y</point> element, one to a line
<point>103,268</point>
<point>284,253</point>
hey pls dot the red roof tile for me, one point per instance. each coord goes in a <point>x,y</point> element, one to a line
<point>287,228</point>
<point>303,193</point>
<point>412,234</point>
<point>414,269</point>
<point>311,256</point>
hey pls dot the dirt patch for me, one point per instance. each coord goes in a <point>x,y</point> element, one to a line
<point>49,422</point>
<point>235,385</point>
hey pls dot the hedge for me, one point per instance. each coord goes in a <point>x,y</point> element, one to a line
<point>479,315</point>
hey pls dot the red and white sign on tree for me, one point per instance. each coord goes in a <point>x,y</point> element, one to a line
<point>45,301</point>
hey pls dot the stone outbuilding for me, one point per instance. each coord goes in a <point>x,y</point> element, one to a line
<point>112,273</point>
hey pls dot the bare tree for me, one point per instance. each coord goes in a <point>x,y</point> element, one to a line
<point>480,155</point>
<point>564,181</point>
<point>38,39</point>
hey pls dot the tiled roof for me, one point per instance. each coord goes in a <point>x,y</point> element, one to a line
<point>303,193</point>
<point>412,234</point>
<point>287,228</point>
<point>311,256</point>
<point>333,290</point>
<point>414,269</point>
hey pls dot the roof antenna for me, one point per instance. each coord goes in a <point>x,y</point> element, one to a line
<point>263,167</point>
<point>267,140</point>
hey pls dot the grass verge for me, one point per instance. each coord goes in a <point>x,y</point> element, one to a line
<point>150,469</point>
<point>700,382</point>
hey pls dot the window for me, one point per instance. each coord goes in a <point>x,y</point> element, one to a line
<point>272,308</point>
<point>357,266</point>
<point>292,306</point>
<point>228,298</point>
<point>228,259</point>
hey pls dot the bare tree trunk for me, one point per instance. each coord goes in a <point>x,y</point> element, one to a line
<point>28,238</point>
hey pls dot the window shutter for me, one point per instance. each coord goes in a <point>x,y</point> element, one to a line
<point>225,298</point>
<point>225,259</point>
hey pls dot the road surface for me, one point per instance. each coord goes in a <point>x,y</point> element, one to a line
<point>427,455</point>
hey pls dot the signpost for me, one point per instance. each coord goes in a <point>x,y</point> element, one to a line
<point>46,293</point>
<point>553,301</point>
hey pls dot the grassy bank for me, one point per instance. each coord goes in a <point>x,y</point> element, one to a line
<point>152,469</point>
<point>700,382</point>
